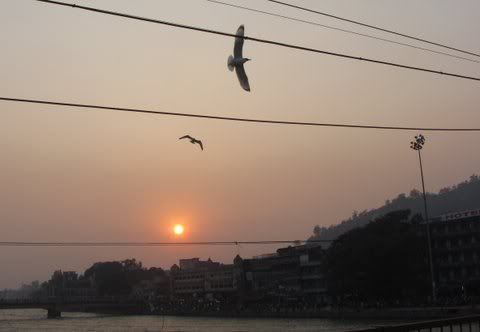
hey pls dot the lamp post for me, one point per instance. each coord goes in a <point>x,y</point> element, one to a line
<point>417,145</point>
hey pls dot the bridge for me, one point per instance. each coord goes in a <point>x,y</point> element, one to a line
<point>55,307</point>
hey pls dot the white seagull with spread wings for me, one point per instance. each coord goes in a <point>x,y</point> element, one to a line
<point>237,60</point>
<point>193,140</point>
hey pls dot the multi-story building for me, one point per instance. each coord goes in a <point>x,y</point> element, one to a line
<point>292,272</point>
<point>205,278</point>
<point>456,252</point>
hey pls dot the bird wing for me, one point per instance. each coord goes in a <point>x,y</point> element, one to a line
<point>238,47</point>
<point>186,136</point>
<point>201,145</point>
<point>242,77</point>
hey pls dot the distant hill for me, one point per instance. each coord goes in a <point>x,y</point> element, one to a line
<point>463,196</point>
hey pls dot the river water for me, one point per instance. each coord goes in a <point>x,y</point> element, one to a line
<point>35,320</point>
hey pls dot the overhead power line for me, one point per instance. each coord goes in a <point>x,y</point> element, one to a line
<point>374,27</point>
<point>155,244</point>
<point>341,30</point>
<point>259,40</point>
<point>236,119</point>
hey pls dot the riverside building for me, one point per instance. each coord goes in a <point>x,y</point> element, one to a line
<point>205,278</point>
<point>456,252</point>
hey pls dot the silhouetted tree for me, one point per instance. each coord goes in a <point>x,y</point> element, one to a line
<point>110,278</point>
<point>383,261</point>
<point>119,278</point>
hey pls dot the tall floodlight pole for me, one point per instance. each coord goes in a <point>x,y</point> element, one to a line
<point>417,145</point>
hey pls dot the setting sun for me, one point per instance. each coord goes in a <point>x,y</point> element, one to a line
<point>178,229</point>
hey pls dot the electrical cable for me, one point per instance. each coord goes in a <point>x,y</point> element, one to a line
<point>259,40</point>
<point>373,27</point>
<point>236,119</point>
<point>155,244</point>
<point>341,30</point>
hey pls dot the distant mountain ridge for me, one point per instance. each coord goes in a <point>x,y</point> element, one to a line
<point>463,196</point>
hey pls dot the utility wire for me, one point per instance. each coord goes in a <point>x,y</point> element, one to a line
<point>155,244</point>
<point>341,30</point>
<point>259,40</point>
<point>226,118</point>
<point>373,27</point>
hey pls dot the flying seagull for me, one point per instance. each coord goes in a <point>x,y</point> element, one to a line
<point>237,60</point>
<point>193,140</point>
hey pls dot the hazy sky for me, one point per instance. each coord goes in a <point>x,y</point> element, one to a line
<point>87,175</point>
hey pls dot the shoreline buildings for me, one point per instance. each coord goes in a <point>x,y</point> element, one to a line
<point>294,273</point>
<point>290,277</point>
<point>456,253</point>
<point>289,274</point>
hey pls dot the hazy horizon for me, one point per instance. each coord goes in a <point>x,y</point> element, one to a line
<point>88,175</point>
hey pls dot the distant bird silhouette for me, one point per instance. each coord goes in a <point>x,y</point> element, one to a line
<point>193,140</point>
<point>237,60</point>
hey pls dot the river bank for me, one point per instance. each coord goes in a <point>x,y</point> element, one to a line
<point>409,314</point>
<point>35,320</point>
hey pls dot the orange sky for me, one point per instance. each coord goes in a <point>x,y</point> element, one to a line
<point>86,175</point>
